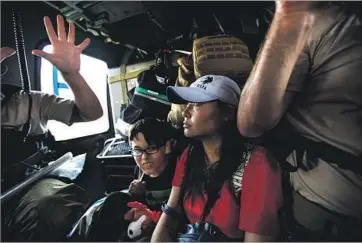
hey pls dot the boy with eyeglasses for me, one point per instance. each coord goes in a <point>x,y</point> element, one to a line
<point>151,142</point>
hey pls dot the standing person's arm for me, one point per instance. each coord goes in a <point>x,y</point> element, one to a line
<point>66,58</point>
<point>264,99</point>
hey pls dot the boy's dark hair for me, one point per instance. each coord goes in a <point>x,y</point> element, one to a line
<point>156,132</point>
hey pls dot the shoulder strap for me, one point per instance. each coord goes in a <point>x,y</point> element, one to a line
<point>27,126</point>
<point>237,177</point>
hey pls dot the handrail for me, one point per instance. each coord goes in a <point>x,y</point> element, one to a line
<point>14,190</point>
<point>108,145</point>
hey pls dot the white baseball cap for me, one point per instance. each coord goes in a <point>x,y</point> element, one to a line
<point>205,89</point>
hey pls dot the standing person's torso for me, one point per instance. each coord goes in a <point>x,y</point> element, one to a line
<point>37,108</point>
<point>329,106</point>
<point>15,113</point>
<point>329,109</point>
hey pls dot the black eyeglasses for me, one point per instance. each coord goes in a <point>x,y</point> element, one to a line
<point>150,150</point>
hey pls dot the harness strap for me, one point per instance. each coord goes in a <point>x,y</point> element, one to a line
<point>27,126</point>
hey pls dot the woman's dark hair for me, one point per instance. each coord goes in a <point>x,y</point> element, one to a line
<point>198,178</point>
<point>156,132</point>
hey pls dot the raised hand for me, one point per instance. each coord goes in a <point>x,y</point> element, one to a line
<point>65,55</point>
<point>292,6</point>
<point>295,18</point>
<point>6,52</point>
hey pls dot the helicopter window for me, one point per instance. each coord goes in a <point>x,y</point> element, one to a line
<point>95,73</point>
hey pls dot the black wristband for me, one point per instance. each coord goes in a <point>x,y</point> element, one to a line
<point>172,212</point>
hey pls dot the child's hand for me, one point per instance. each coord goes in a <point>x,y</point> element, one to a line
<point>137,188</point>
<point>139,209</point>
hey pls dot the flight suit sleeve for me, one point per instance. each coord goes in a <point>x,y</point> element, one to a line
<point>52,107</point>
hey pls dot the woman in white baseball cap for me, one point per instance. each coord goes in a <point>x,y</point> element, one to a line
<point>223,199</point>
